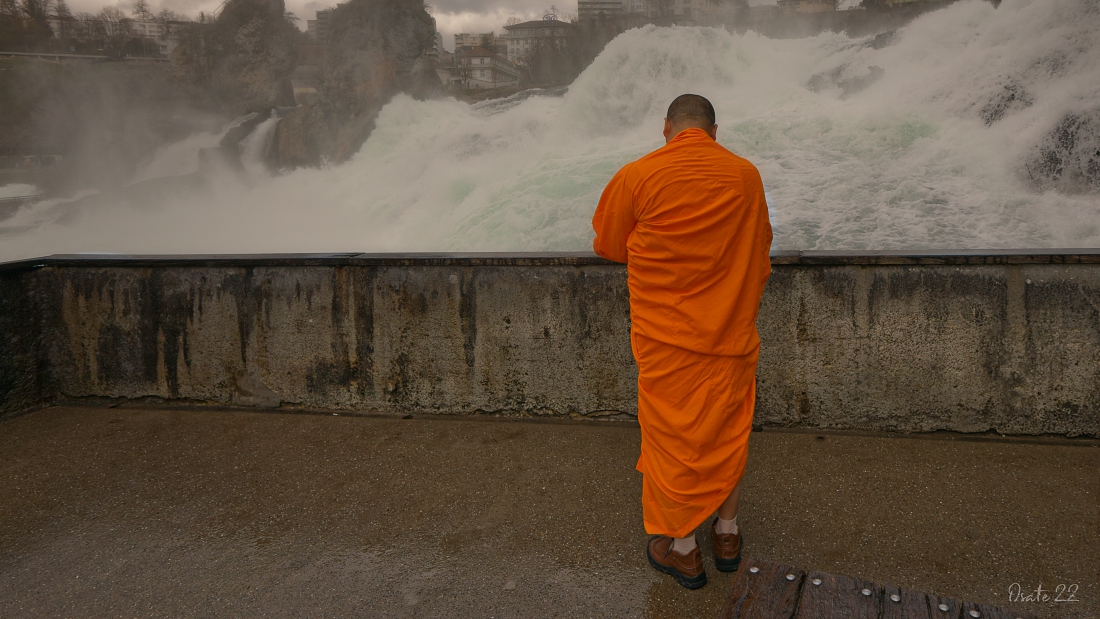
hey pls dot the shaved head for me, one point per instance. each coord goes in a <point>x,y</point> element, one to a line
<point>690,112</point>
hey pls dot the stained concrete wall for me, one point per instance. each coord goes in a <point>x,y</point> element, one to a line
<point>969,342</point>
<point>21,357</point>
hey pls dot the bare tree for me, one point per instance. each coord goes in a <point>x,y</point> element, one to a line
<point>113,29</point>
<point>66,24</point>
<point>464,73</point>
<point>141,11</point>
<point>512,21</point>
<point>11,25</point>
<point>167,15</point>
<point>552,61</point>
<point>493,43</point>
<point>37,13</point>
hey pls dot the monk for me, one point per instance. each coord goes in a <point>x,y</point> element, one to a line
<point>691,223</point>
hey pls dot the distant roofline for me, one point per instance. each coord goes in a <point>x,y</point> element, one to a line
<point>540,23</point>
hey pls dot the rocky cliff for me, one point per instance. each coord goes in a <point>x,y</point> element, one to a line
<point>244,58</point>
<point>376,49</point>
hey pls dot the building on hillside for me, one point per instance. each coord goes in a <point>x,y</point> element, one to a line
<point>717,12</point>
<point>486,40</point>
<point>148,29</point>
<point>763,11</point>
<point>678,11</point>
<point>522,38</point>
<point>687,10</point>
<point>599,9</point>
<point>478,68</point>
<point>436,48</point>
<point>163,34</point>
<point>321,28</point>
<point>806,6</point>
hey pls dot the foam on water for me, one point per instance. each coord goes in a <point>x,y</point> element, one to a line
<point>931,154</point>
<point>18,190</point>
<point>179,158</point>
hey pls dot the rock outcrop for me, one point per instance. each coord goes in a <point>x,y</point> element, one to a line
<point>377,48</point>
<point>1068,158</point>
<point>244,58</point>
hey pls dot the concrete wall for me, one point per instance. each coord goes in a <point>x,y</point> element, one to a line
<point>968,342</point>
<point>22,384</point>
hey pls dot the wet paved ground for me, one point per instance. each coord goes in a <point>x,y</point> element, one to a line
<point>170,513</point>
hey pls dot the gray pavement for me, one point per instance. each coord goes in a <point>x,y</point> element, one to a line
<point>136,511</point>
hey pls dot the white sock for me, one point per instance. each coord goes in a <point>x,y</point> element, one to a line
<point>726,527</point>
<point>683,545</point>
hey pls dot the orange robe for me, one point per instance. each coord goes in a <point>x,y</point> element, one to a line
<point>691,223</point>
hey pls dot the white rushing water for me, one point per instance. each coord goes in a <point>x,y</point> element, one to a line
<point>18,190</point>
<point>934,154</point>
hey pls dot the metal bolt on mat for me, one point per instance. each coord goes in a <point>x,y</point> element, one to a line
<point>895,597</point>
<point>790,576</point>
<point>754,569</point>
<point>975,614</point>
<point>817,582</point>
<point>943,607</point>
<point>866,592</point>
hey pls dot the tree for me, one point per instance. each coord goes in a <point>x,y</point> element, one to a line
<point>37,13</point>
<point>552,61</point>
<point>65,21</point>
<point>11,25</point>
<point>141,11</point>
<point>490,42</point>
<point>464,73</point>
<point>512,21</point>
<point>167,15</point>
<point>113,29</point>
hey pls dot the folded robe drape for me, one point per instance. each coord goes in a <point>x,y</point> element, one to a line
<point>695,412</point>
<point>691,222</point>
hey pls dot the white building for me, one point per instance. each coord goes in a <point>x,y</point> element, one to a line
<point>149,29</point>
<point>488,40</point>
<point>478,67</point>
<point>522,38</point>
<point>436,52</point>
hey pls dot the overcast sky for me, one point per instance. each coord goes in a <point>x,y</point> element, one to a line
<point>451,15</point>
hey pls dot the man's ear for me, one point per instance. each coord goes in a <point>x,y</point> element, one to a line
<point>668,130</point>
<point>713,133</point>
